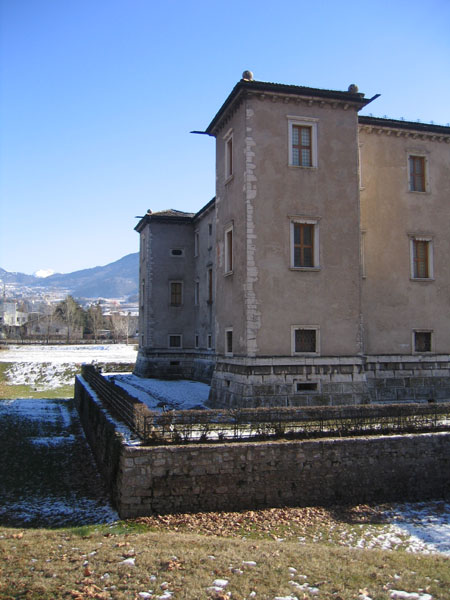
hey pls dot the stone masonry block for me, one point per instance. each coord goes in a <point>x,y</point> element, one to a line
<point>261,370</point>
<point>341,378</point>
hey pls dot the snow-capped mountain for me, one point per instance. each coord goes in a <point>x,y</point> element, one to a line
<point>114,280</point>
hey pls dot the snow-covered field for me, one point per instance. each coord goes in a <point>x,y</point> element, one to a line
<point>125,353</point>
<point>51,367</point>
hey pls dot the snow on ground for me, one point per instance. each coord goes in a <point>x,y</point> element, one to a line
<point>156,394</point>
<point>52,413</point>
<point>420,527</point>
<point>426,523</point>
<point>50,367</point>
<point>42,376</point>
<point>125,353</point>
<point>56,482</point>
<point>58,512</point>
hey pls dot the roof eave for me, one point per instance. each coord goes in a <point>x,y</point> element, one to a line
<point>178,219</point>
<point>404,125</point>
<point>243,87</point>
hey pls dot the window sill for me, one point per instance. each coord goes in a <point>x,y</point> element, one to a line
<point>228,273</point>
<point>425,192</point>
<point>306,354</point>
<point>422,279</point>
<point>305,269</point>
<point>312,168</point>
<point>229,178</point>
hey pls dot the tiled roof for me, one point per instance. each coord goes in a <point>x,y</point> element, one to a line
<point>171,212</point>
<point>171,215</point>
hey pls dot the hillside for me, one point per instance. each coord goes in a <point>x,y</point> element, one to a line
<point>114,280</point>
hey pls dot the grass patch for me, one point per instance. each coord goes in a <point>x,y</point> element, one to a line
<point>49,564</point>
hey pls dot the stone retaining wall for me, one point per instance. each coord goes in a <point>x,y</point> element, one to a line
<point>164,479</point>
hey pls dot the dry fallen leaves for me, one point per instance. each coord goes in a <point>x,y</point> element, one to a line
<point>241,523</point>
<point>89,591</point>
<point>171,565</point>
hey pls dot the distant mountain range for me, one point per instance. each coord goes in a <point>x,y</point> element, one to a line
<point>115,280</point>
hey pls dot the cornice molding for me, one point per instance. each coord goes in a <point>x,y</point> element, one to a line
<point>407,129</point>
<point>284,98</point>
<point>304,100</point>
<point>406,133</point>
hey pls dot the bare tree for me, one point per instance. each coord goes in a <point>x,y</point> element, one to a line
<point>71,313</point>
<point>95,319</point>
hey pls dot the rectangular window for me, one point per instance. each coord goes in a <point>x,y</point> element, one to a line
<point>143,293</point>
<point>229,249</point>
<point>228,154</point>
<point>304,244</point>
<point>196,292</point>
<point>197,340</point>
<point>196,243</point>
<point>228,341</point>
<point>417,173</point>
<point>305,340</point>
<point>176,293</point>
<point>209,229</point>
<point>301,386</point>
<point>422,341</point>
<point>302,142</point>
<point>209,280</point>
<point>229,157</point>
<point>301,146</point>
<point>209,341</point>
<point>421,258</point>
<point>175,340</point>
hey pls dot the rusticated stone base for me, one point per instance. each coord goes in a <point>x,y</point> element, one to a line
<point>332,381</point>
<point>175,365</point>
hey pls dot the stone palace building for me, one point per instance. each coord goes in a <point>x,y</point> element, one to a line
<point>320,272</point>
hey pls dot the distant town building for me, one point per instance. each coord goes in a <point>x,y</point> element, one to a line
<point>319,273</point>
<point>10,315</point>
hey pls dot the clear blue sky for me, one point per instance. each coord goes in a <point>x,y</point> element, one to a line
<point>98,98</point>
